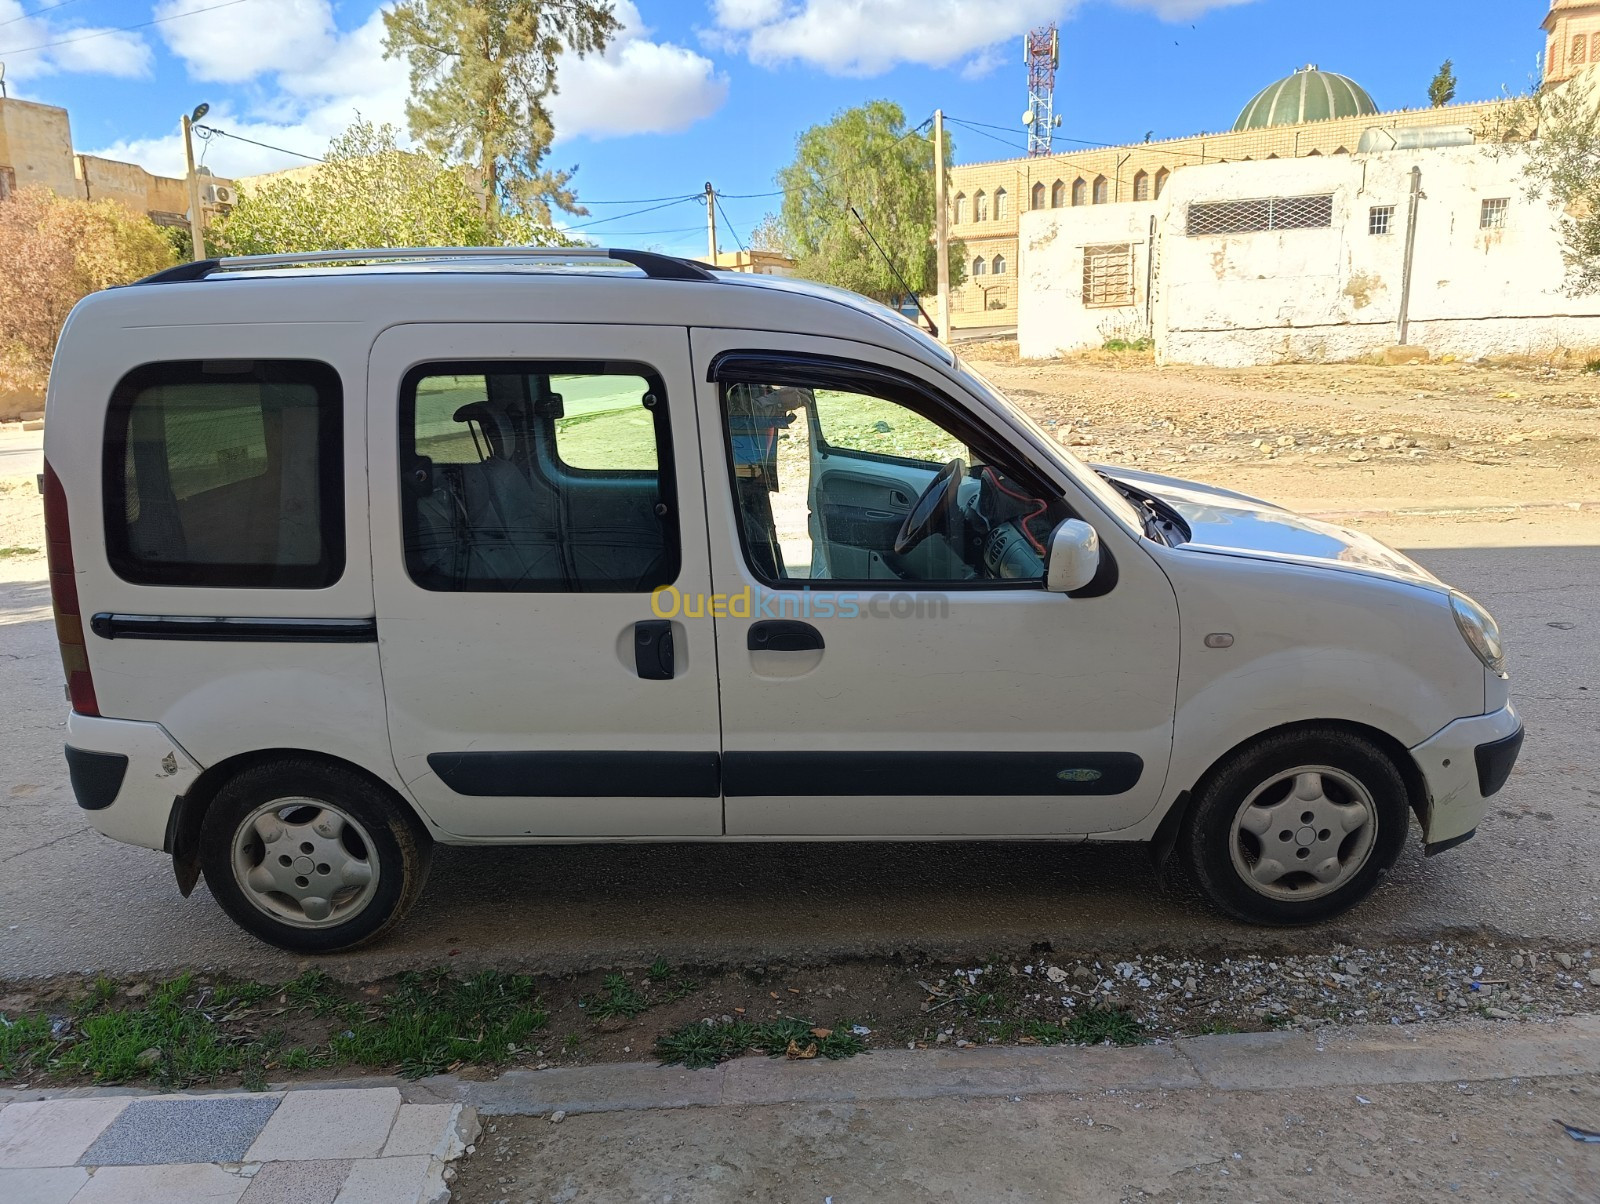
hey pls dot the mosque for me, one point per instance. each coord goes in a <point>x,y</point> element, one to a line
<point>1309,113</point>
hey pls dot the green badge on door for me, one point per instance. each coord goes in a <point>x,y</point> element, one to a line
<point>1080,775</point>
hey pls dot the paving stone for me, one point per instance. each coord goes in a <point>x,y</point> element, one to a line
<point>42,1185</point>
<point>153,1132</point>
<point>190,1184</point>
<point>419,1129</point>
<point>297,1182</point>
<point>53,1132</point>
<point>309,1125</point>
<point>385,1181</point>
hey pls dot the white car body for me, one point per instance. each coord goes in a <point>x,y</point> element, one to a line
<point>1261,621</point>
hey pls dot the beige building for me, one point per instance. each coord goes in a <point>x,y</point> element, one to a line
<point>36,150</point>
<point>1306,114</point>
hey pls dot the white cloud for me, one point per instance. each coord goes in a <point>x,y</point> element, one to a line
<point>243,41</point>
<point>82,49</point>
<point>637,86</point>
<point>870,37</point>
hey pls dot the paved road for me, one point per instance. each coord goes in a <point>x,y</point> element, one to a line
<point>22,456</point>
<point>70,900</point>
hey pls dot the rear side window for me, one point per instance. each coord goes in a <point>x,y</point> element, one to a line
<point>226,474</point>
<point>538,477</point>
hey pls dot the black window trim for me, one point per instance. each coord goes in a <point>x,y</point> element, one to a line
<point>666,474</point>
<point>328,569</point>
<point>811,371</point>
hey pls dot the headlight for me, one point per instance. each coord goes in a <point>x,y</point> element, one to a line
<point>1480,631</point>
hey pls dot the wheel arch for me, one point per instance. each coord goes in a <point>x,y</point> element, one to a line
<point>189,809</point>
<point>1165,838</point>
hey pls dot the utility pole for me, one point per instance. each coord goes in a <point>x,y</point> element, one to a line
<point>941,225</point>
<point>711,221</point>
<point>1403,326</point>
<point>197,219</point>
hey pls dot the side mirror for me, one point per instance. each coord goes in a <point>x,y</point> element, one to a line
<point>1074,557</point>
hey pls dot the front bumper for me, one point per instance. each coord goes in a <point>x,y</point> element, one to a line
<point>1464,765</point>
<point>135,807</point>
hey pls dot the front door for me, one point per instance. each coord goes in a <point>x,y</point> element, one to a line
<point>888,670</point>
<point>531,485</point>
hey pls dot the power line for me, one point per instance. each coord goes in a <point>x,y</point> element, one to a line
<point>634,213</point>
<point>206,132</point>
<point>36,12</point>
<point>978,127</point>
<point>727,221</point>
<point>103,33</point>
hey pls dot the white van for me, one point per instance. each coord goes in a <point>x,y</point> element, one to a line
<point>487,547</point>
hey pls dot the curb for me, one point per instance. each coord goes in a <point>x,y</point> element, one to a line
<point>1328,1057</point>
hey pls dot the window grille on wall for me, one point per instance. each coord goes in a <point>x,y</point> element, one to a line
<point>1268,213</point>
<point>1380,220</point>
<point>1108,276</point>
<point>1493,214</point>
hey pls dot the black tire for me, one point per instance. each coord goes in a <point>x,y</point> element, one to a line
<point>1205,846</point>
<point>396,846</point>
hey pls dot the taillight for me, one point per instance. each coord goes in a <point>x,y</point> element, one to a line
<point>64,596</point>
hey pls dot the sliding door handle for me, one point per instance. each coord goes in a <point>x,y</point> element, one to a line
<point>784,635</point>
<point>652,649</point>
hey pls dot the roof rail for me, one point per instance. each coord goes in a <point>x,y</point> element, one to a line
<point>657,267</point>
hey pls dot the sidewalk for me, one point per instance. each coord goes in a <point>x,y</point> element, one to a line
<point>338,1146</point>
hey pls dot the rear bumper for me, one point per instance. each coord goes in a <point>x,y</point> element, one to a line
<point>1464,765</point>
<point>134,805</point>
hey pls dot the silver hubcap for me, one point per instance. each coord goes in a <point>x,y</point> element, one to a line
<point>305,862</point>
<point>1304,833</point>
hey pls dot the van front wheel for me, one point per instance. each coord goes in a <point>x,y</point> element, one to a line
<point>1296,828</point>
<point>312,858</point>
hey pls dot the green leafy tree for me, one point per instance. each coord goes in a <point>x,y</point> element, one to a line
<point>769,235</point>
<point>867,159</point>
<point>1563,168</point>
<point>1443,88</point>
<point>482,74</point>
<point>56,251</point>
<point>369,193</point>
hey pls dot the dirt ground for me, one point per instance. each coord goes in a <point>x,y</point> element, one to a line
<point>1459,1141</point>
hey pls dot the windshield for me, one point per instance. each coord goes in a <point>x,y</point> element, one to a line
<point>1086,476</point>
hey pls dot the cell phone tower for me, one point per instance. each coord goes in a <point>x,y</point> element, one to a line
<point>1041,51</point>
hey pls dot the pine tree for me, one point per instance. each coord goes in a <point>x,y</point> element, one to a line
<point>1443,88</point>
<point>482,74</point>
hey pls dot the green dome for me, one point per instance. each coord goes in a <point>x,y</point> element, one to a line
<point>1307,95</point>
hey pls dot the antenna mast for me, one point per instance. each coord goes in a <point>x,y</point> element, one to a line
<point>1041,52</point>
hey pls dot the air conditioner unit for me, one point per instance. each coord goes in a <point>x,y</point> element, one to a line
<point>221,194</point>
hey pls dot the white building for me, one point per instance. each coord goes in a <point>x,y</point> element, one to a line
<point>1310,259</point>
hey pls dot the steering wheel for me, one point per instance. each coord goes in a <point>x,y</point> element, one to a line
<point>934,509</point>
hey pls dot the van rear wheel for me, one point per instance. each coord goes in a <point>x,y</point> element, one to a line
<point>310,857</point>
<point>1296,828</point>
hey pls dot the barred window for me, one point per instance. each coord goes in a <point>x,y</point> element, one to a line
<point>999,204</point>
<point>1493,216</point>
<point>1381,220</point>
<point>1102,190</point>
<point>1268,213</point>
<point>1038,196</point>
<point>1141,186</point>
<point>1107,276</point>
<point>1580,49</point>
<point>1058,195</point>
<point>980,207</point>
<point>1080,192</point>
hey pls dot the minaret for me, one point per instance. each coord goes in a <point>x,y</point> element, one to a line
<point>1572,39</point>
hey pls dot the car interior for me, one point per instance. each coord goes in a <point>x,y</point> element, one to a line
<point>820,501</point>
<point>494,507</point>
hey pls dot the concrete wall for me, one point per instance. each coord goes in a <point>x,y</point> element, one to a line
<point>1053,317</point>
<point>36,146</point>
<point>1335,294</point>
<point>133,187</point>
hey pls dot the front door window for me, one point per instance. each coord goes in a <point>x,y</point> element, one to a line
<point>853,485</point>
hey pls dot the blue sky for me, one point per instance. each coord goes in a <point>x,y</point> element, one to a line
<point>716,90</point>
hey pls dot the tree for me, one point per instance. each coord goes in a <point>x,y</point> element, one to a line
<point>369,193</point>
<point>865,158</point>
<point>1443,88</point>
<point>482,73</point>
<point>56,251</point>
<point>769,235</point>
<point>1563,167</point>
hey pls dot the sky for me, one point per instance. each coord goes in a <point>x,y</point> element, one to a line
<point>717,90</point>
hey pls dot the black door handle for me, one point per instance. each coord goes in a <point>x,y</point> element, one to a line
<point>784,635</point>
<point>652,649</point>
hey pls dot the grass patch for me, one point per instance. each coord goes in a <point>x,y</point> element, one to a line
<point>1592,367</point>
<point>17,550</point>
<point>706,1043</point>
<point>1143,343</point>
<point>618,997</point>
<point>183,1032</point>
